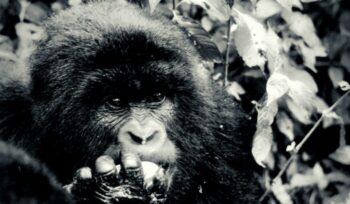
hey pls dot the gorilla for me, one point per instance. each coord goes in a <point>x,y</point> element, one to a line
<point>111,79</point>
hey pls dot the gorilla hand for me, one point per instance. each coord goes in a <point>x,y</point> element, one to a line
<point>131,182</point>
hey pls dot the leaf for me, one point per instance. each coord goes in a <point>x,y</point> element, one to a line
<point>263,141</point>
<point>200,38</point>
<point>303,101</point>
<point>299,112</point>
<point>309,54</point>
<point>262,144</point>
<point>345,86</point>
<point>341,155</point>
<point>302,180</point>
<point>249,39</point>
<point>321,179</point>
<point>336,75</point>
<point>301,76</point>
<point>74,2</point>
<point>276,87</point>
<point>309,1</point>
<point>235,89</point>
<point>335,44</point>
<point>215,8</point>
<point>281,193</point>
<point>153,4</point>
<point>36,12</point>
<point>287,4</point>
<point>273,53</point>
<point>345,60</point>
<point>285,125</point>
<point>344,23</point>
<point>266,115</point>
<point>300,93</point>
<point>267,8</point>
<point>297,4</point>
<point>303,26</point>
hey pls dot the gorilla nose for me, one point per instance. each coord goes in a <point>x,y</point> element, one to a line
<point>141,138</point>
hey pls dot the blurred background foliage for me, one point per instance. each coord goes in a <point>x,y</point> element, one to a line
<point>286,61</point>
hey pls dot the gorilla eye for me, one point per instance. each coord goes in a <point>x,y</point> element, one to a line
<point>156,98</point>
<point>115,102</point>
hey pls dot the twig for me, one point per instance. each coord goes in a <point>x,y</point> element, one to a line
<point>302,142</point>
<point>227,51</point>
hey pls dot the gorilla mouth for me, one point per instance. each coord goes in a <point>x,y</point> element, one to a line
<point>114,151</point>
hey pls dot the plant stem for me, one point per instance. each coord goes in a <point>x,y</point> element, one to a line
<point>227,57</point>
<point>302,142</point>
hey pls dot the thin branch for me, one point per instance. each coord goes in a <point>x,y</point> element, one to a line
<point>227,51</point>
<point>302,142</point>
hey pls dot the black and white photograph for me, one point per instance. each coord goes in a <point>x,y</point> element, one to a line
<point>174,101</point>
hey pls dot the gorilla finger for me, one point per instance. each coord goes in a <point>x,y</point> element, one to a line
<point>83,173</point>
<point>132,172</point>
<point>106,172</point>
<point>130,161</point>
<point>104,164</point>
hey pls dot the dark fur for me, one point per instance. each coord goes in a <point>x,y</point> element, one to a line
<point>24,180</point>
<point>88,52</point>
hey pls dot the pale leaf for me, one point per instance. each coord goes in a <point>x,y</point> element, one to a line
<point>320,176</point>
<point>336,75</point>
<point>262,144</point>
<point>267,8</point>
<point>266,115</point>
<point>287,4</point>
<point>276,87</point>
<point>303,26</point>
<point>263,141</point>
<point>215,8</point>
<point>301,76</point>
<point>273,53</point>
<point>309,1</point>
<point>249,39</point>
<point>235,89</point>
<point>285,125</point>
<point>299,112</point>
<point>281,192</point>
<point>297,4</point>
<point>302,180</point>
<point>153,4</point>
<point>341,155</point>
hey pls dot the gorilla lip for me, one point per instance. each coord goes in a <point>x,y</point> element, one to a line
<point>115,152</point>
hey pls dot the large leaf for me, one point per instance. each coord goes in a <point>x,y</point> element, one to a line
<point>276,87</point>
<point>215,8</point>
<point>200,38</point>
<point>249,38</point>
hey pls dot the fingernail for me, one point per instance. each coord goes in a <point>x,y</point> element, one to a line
<point>104,164</point>
<point>83,173</point>
<point>131,161</point>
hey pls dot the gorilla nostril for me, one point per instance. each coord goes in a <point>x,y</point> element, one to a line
<point>151,137</point>
<point>136,138</point>
<point>141,139</point>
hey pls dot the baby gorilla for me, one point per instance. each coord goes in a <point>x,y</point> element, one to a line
<point>111,79</point>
